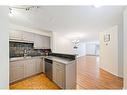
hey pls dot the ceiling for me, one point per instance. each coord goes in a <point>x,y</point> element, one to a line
<point>84,21</point>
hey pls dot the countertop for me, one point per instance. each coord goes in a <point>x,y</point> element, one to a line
<point>59,59</point>
<point>23,58</point>
<point>54,58</point>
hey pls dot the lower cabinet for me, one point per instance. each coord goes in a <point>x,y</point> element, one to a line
<point>25,68</point>
<point>58,74</point>
<point>29,67</point>
<point>64,75</point>
<point>59,77</point>
<point>16,71</point>
<point>39,66</point>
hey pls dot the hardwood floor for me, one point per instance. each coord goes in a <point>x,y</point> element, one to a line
<point>89,76</point>
<point>35,82</point>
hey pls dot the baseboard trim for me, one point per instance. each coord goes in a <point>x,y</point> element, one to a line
<point>111,73</point>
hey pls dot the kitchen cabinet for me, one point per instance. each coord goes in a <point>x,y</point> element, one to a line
<point>58,77</point>
<point>64,75</point>
<point>46,42</point>
<point>38,42</point>
<point>58,74</point>
<point>33,66</point>
<point>41,42</point>
<point>25,68</point>
<point>39,65</point>
<point>30,68</point>
<point>16,71</point>
<point>27,36</point>
<point>21,36</point>
<point>15,35</point>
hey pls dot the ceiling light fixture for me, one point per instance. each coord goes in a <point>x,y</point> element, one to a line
<point>25,8</point>
<point>10,12</point>
<point>76,44</point>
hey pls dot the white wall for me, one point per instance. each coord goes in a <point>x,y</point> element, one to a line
<point>125,48</point>
<point>61,44</point>
<point>120,47</point>
<point>4,47</point>
<point>109,53</point>
<point>115,48</point>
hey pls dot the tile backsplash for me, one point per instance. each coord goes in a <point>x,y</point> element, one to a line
<point>18,49</point>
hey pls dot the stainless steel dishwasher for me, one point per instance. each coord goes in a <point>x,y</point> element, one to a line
<point>48,68</point>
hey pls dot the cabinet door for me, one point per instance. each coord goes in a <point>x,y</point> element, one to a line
<point>41,42</point>
<point>38,42</point>
<point>16,71</point>
<point>16,35</point>
<point>46,42</point>
<point>39,65</point>
<point>30,67</point>
<point>58,75</point>
<point>27,36</point>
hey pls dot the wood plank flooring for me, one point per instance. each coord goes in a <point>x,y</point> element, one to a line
<point>35,82</point>
<point>89,76</point>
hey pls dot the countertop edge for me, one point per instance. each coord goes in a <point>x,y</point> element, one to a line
<point>69,62</point>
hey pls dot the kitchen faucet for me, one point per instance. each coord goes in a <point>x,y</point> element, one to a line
<point>25,52</point>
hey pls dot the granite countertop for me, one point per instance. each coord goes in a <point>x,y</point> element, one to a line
<point>23,58</point>
<point>54,58</point>
<point>59,59</point>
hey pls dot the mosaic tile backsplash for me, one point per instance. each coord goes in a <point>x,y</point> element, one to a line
<point>19,49</point>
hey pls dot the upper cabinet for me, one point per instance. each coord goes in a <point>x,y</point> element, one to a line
<point>46,42</point>
<point>15,35</point>
<point>28,36</point>
<point>21,35</point>
<point>40,42</point>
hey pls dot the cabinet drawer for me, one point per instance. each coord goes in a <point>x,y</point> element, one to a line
<point>58,65</point>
